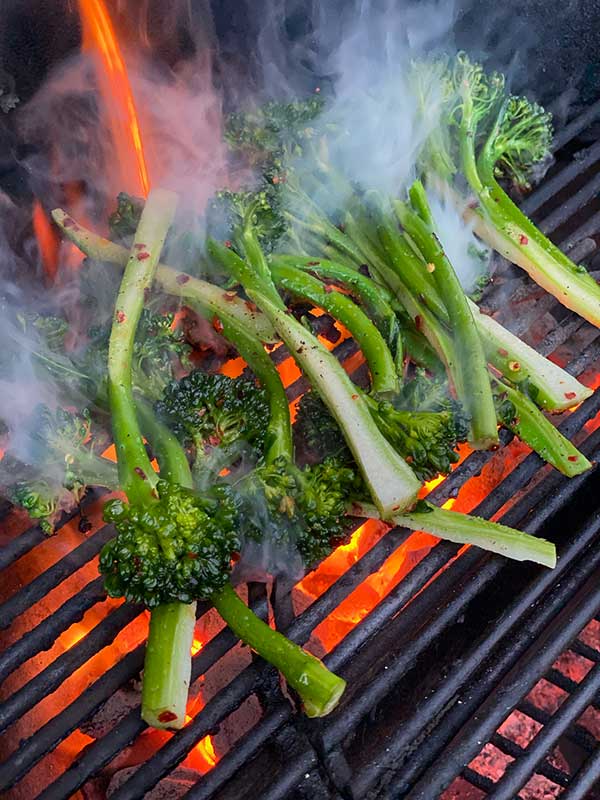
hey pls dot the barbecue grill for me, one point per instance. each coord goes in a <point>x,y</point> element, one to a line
<point>469,677</point>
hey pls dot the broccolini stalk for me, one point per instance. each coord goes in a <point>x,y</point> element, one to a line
<point>390,480</point>
<point>518,137</point>
<point>373,298</point>
<point>319,688</point>
<point>135,471</point>
<point>466,529</point>
<point>474,389</point>
<point>384,379</point>
<point>206,298</point>
<point>533,428</point>
<point>167,664</point>
<point>549,386</point>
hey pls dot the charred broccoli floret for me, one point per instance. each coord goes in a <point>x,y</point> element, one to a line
<point>57,462</point>
<point>299,509</point>
<point>247,217</point>
<point>176,550</point>
<point>260,136</point>
<point>425,438</point>
<point>217,417</point>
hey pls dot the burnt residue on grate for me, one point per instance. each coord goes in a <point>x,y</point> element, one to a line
<point>443,672</point>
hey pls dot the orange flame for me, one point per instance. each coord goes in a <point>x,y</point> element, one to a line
<point>47,240</point>
<point>99,38</point>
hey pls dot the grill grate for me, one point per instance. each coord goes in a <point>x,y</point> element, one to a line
<point>398,733</point>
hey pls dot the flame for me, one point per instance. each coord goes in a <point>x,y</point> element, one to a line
<point>99,39</point>
<point>47,240</point>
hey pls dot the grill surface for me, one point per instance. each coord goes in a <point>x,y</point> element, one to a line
<point>439,663</point>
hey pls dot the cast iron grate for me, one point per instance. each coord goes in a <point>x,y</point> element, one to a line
<point>434,669</point>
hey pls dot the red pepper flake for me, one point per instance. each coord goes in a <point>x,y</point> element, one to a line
<point>502,352</point>
<point>143,256</point>
<point>418,322</point>
<point>229,297</point>
<point>328,289</point>
<point>217,325</point>
<point>181,279</point>
<point>523,239</point>
<point>570,395</point>
<point>193,556</point>
<point>312,263</point>
<point>121,316</point>
<point>139,471</point>
<point>139,246</point>
<point>227,243</point>
<point>572,458</point>
<point>275,179</point>
<point>167,716</point>
<point>514,365</point>
<point>355,397</point>
<point>250,305</point>
<point>395,508</point>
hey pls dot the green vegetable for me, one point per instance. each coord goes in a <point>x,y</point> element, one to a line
<point>219,417</point>
<point>465,529</point>
<point>62,459</point>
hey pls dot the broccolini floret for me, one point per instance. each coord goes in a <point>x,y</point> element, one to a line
<point>60,459</point>
<point>217,417</point>
<point>178,549</point>
<point>305,508</point>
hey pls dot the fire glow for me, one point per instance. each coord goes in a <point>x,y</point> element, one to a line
<point>100,41</point>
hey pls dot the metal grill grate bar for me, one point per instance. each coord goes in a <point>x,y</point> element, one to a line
<point>585,779</point>
<point>510,748</point>
<point>574,204</point>
<point>518,682</point>
<point>43,636</point>
<point>50,578</point>
<point>21,701</point>
<point>519,772</point>
<point>22,544</point>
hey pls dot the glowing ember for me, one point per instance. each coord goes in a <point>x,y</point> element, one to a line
<point>100,40</point>
<point>47,240</point>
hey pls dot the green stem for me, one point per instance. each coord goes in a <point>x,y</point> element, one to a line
<point>209,300</point>
<point>381,364</point>
<point>550,387</point>
<point>515,236</point>
<point>411,269</point>
<point>373,298</point>
<point>533,428</point>
<point>476,393</point>
<point>278,439</point>
<point>466,529</point>
<point>319,689</point>
<point>168,665</point>
<point>136,475</point>
<point>243,272</point>
<point>391,481</point>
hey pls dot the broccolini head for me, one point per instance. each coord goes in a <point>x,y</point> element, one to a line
<point>210,413</point>
<point>158,347</point>
<point>477,94</point>
<point>124,220</point>
<point>57,462</point>
<point>520,139</point>
<point>256,211</point>
<point>262,136</point>
<point>177,549</point>
<point>316,433</point>
<point>299,509</point>
<point>42,501</point>
<point>425,439</point>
